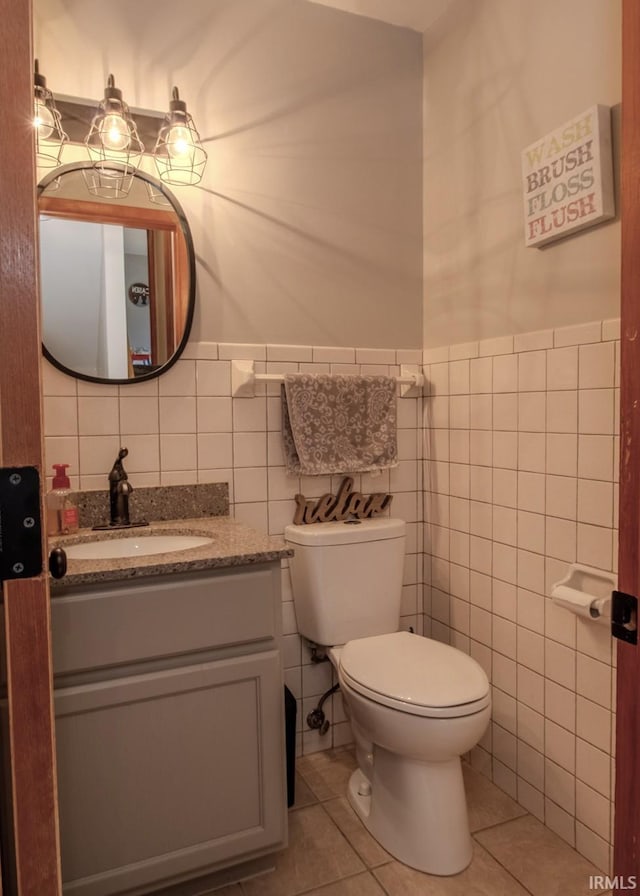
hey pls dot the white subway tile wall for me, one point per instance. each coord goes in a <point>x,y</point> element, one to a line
<point>515,490</point>
<point>507,472</point>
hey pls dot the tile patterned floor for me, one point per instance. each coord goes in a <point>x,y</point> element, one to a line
<point>331,853</point>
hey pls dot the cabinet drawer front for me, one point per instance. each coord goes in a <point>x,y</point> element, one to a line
<point>169,774</point>
<point>95,628</point>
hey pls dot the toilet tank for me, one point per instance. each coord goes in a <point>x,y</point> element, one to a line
<point>347,578</point>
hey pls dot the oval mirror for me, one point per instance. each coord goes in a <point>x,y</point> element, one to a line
<point>117,277</point>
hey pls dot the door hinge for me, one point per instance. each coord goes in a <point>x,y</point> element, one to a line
<point>624,617</point>
<point>20,523</point>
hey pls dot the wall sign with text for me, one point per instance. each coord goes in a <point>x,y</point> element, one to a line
<point>139,294</point>
<point>568,178</point>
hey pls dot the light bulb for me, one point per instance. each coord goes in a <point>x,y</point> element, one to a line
<point>179,143</point>
<point>180,159</point>
<point>114,133</point>
<point>43,120</point>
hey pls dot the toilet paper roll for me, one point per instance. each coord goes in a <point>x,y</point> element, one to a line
<point>580,603</point>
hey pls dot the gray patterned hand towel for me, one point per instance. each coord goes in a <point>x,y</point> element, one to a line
<point>338,424</point>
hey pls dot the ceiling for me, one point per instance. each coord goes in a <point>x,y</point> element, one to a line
<point>419,15</point>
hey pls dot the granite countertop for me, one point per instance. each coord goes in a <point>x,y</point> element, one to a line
<point>234,544</point>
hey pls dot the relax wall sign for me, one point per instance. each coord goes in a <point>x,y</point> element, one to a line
<point>568,178</point>
<point>341,506</point>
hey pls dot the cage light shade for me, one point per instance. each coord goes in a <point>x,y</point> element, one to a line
<point>180,158</point>
<point>108,183</point>
<point>49,135</point>
<point>113,145</point>
<point>156,194</point>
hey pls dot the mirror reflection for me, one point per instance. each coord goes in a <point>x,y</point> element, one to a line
<point>117,278</point>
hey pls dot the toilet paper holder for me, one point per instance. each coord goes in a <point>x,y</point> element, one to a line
<point>586,591</point>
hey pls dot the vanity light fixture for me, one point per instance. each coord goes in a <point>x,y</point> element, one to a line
<point>180,158</point>
<point>50,137</point>
<point>114,146</point>
<point>113,140</point>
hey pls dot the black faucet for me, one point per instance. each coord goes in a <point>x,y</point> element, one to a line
<point>119,490</point>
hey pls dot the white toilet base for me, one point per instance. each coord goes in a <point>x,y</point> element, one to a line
<point>417,811</point>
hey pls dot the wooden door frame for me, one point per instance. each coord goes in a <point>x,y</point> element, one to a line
<point>33,836</point>
<point>627,791</point>
<point>165,249</point>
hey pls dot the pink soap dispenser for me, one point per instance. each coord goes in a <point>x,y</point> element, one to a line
<point>62,513</point>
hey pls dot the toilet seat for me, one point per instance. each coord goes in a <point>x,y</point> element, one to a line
<point>414,675</point>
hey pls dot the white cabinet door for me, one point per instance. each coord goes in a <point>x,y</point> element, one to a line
<point>171,774</point>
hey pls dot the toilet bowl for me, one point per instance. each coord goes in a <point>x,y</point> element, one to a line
<point>415,706</point>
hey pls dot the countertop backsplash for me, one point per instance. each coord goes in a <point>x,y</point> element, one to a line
<point>157,503</point>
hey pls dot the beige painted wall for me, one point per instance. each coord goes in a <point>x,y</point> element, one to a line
<point>498,74</point>
<point>308,225</point>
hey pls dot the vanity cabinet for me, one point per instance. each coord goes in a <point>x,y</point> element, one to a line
<point>170,731</point>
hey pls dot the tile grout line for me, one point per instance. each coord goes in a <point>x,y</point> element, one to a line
<point>499,824</point>
<point>500,864</point>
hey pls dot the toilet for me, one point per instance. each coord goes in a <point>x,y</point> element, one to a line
<point>415,704</point>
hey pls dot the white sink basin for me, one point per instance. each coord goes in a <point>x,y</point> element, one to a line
<point>134,546</point>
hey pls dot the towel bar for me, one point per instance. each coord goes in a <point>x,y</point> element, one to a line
<point>244,378</point>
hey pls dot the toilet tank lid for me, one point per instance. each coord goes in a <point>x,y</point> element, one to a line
<point>414,670</point>
<point>345,531</point>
